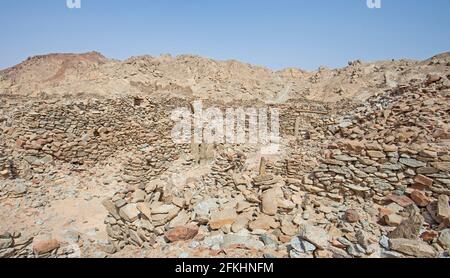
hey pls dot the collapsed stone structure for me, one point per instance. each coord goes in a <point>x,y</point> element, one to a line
<point>350,179</point>
<point>389,156</point>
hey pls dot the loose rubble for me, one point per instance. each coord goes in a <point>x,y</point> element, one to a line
<point>352,179</point>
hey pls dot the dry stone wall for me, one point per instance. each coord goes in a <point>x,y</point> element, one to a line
<point>86,133</point>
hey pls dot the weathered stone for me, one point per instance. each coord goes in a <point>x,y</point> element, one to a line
<point>240,224</point>
<point>203,208</point>
<point>410,227</point>
<point>180,220</point>
<point>393,220</point>
<point>415,248</point>
<point>353,145</point>
<point>269,202</point>
<point>444,238</point>
<point>138,196</point>
<point>129,212</point>
<point>111,208</point>
<point>423,180</point>
<point>288,228</point>
<point>315,235</point>
<point>159,208</point>
<point>376,154</point>
<point>403,200</point>
<point>45,246</point>
<point>182,233</point>
<point>6,243</point>
<point>357,188</point>
<point>442,166</point>
<point>443,209</point>
<point>107,247</point>
<point>345,158</point>
<point>222,218</point>
<point>302,246</point>
<point>263,222</point>
<point>237,240</point>
<point>433,78</point>
<point>144,208</point>
<point>413,163</point>
<point>429,236</point>
<point>420,198</point>
<point>352,216</point>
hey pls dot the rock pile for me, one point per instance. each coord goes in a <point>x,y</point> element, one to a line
<point>368,196</point>
<point>18,245</point>
<point>351,179</point>
<point>15,245</point>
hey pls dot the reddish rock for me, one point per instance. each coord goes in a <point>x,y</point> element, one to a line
<point>433,78</point>
<point>403,201</point>
<point>4,173</point>
<point>326,254</point>
<point>420,198</point>
<point>182,233</point>
<point>423,180</point>
<point>284,238</point>
<point>353,145</point>
<point>352,216</point>
<point>429,235</point>
<point>384,212</point>
<point>19,143</point>
<point>264,222</point>
<point>338,244</point>
<point>45,246</point>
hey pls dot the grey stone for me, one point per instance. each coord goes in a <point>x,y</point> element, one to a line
<point>6,243</point>
<point>129,212</point>
<point>412,163</point>
<point>415,248</point>
<point>315,235</point>
<point>384,242</point>
<point>444,238</point>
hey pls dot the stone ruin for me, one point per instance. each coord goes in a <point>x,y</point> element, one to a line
<point>353,181</point>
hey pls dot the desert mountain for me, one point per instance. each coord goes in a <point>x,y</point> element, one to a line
<point>92,74</point>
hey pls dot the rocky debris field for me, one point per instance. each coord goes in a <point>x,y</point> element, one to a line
<point>101,177</point>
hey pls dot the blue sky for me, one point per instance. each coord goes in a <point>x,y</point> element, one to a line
<point>277,33</point>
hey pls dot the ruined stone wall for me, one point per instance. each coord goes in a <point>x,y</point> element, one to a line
<point>86,133</point>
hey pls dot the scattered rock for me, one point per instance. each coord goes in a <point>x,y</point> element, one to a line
<point>444,238</point>
<point>415,248</point>
<point>409,228</point>
<point>352,216</point>
<point>220,219</point>
<point>41,247</point>
<point>314,235</point>
<point>182,233</point>
<point>129,212</point>
<point>420,198</point>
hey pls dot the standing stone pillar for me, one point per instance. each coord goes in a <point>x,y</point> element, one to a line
<point>262,167</point>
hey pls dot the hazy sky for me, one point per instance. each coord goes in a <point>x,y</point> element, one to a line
<point>276,33</point>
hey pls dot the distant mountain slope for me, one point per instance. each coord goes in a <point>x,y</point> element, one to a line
<point>92,74</point>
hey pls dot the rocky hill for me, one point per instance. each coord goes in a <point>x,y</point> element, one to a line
<point>91,74</point>
<point>88,167</point>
